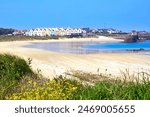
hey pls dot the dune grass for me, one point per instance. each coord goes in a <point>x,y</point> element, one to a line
<point>12,69</point>
<point>18,82</point>
<point>21,38</point>
<point>117,90</point>
<point>104,87</point>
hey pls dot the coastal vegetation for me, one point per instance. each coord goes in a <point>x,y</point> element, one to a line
<point>21,38</point>
<point>12,69</point>
<point>19,82</point>
<point>31,38</point>
<point>127,39</point>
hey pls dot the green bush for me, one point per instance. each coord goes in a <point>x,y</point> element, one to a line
<point>12,69</point>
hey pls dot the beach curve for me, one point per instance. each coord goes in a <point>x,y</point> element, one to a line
<point>54,63</point>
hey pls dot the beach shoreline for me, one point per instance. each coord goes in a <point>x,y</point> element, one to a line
<point>54,63</point>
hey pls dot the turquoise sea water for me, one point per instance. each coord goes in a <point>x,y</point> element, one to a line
<point>90,47</point>
<point>120,46</point>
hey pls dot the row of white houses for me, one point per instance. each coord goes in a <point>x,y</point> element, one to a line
<point>55,32</point>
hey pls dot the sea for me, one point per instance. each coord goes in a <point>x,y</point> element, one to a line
<point>92,47</point>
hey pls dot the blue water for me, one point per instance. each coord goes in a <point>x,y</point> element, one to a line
<point>90,47</point>
<point>120,46</point>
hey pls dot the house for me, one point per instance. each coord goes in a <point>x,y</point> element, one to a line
<point>113,31</point>
<point>19,32</point>
<point>55,32</point>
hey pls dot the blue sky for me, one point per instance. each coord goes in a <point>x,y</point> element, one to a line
<point>121,14</point>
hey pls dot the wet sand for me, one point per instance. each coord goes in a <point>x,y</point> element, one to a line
<point>54,63</point>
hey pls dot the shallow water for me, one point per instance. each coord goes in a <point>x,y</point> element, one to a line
<point>120,46</point>
<point>90,47</point>
<point>65,47</point>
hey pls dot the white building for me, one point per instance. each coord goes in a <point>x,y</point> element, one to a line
<point>113,31</point>
<point>55,32</point>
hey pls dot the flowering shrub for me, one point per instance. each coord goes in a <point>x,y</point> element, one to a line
<point>57,89</point>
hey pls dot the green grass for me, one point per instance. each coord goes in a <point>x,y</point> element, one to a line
<point>21,38</point>
<point>114,91</point>
<point>103,87</point>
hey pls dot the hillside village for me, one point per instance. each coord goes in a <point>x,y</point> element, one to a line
<point>74,32</point>
<point>65,32</point>
<point>55,32</point>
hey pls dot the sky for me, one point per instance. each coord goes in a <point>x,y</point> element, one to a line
<point>124,15</point>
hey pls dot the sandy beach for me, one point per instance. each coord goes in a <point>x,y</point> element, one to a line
<point>53,63</point>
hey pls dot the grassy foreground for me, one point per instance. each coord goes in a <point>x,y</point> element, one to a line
<point>18,82</point>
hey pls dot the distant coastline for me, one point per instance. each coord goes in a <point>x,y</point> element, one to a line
<point>57,33</point>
